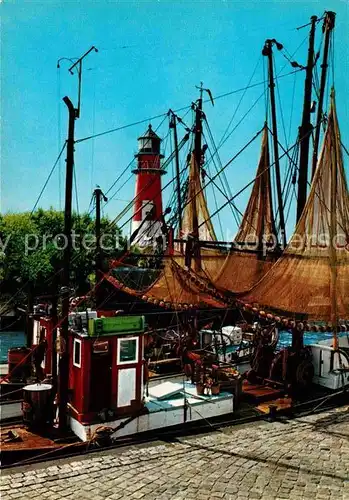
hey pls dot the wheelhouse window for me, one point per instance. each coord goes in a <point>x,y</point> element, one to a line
<point>77,353</point>
<point>128,350</point>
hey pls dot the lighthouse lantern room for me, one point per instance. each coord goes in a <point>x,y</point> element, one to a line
<point>147,216</point>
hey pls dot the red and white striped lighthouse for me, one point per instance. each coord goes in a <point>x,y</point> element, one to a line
<point>148,197</point>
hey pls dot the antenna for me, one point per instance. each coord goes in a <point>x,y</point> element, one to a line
<point>202,89</point>
<point>78,65</point>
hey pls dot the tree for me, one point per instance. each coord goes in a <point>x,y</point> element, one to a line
<point>31,250</point>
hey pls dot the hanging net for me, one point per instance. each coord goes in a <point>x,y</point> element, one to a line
<point>195,212</point>
<point>252,255</point>
<point>311,278</point>
<point>176,288</point>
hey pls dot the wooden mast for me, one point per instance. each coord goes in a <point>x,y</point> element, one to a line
<point>64,329</point>
<point>54,315</point>
<point>268,51</point>
<point>306,127</point>
<point>173,125</point>
<point>197,161</point>
<point>327,28</point>
<point>63,365</point>
<point>98,194</point>
<point>333,232</point>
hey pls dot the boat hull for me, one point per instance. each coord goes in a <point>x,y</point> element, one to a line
<point>160,414</point>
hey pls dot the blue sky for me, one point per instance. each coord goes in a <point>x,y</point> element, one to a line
<point>151,56</point>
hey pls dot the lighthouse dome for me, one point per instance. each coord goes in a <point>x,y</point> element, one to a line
<point>149,142</point>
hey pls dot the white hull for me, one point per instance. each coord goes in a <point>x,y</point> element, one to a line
<point>163,413</point>
<point>328,365</point>
<point>10,409</point>
<point>3,369</point>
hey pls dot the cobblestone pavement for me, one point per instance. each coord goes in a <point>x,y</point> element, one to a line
<point>299,459</point>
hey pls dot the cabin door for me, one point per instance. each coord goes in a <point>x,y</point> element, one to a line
<point>100,386</point>
<point>127,360</point>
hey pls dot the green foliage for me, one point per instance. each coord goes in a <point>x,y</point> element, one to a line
<point>31,250</point>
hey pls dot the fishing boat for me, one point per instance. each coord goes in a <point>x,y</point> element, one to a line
<point>308,286</point>
<point>104,363</point>
<point>246,278</point>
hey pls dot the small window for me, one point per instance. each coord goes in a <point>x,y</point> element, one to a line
<point>146,144</point>
<point>128,350</point>
<point>77,353</point>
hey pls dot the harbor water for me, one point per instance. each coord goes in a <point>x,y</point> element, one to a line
<point>285,338</point>
<point>18,339</point>
<point>8,340</point>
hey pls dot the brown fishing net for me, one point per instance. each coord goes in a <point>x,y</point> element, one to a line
<point>311,278</point>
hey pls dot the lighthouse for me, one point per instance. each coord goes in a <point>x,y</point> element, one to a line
<point>147,215</point>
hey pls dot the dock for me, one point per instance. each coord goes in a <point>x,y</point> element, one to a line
<point>305,458</point>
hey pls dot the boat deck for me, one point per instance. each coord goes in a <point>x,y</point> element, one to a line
<point>28,444</point>
<point>259,393</point>
<point>27,440</point>
<point>168,404</point>
<point>170,395</point>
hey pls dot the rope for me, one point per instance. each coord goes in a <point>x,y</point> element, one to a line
<point>224,175</point>
<point>250,183</point>
<point>47,180</point>
<point>280,107</point>
<point>76,193</point>
<point>226,197</point>
<point>345,149</point>
<point>308,182</point>
<point>123,127</point>
<point>239,103</point>
<point>93,131</point>
<point>222,169</point>
<point>243,117</point>
<point>59,136</point>
<point>216,203</point>
<point>44,454</point>
<point>9,393</point>
<point>266,93</point>
<point>9,326</point>
<point>292,108</point>
<point>187,108</point>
